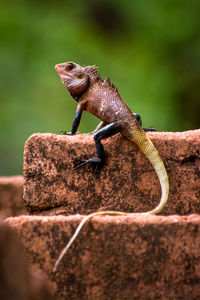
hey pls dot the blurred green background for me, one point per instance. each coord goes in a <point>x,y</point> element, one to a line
<point>149,49</point>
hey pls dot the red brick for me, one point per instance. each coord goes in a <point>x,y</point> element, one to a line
<point>138,257</point>
<point>11,196</point>
<point>17,280</point>
<point>127,183</point>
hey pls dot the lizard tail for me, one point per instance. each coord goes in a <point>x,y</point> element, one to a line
<point>149,150</point>
<point>147,147</point>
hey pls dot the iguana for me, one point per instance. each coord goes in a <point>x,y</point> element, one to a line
<point>101,98</point>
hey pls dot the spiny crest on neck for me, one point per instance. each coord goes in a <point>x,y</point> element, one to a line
<point>93,73</point>
<point>108,82</point>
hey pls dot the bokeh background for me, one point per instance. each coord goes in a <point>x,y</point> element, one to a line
<point>149,49</point>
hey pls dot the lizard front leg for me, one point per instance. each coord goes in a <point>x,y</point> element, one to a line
<point>76,121</point>
<point>103,133</point>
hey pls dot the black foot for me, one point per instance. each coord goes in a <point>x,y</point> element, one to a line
<point>95,161</point>
<point>105,132</point>
<point>149,129</point>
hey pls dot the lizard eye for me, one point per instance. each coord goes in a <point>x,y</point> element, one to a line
<point>69,67</point>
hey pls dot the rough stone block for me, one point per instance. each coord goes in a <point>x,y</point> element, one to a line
<point>116,258</point>
<point>11,196</point>
<point>17,280</point>
<point>127,182</point>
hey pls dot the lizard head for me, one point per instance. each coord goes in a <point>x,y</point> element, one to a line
<point>76,79</point>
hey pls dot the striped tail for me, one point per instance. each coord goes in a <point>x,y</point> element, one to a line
<point>147,147</point>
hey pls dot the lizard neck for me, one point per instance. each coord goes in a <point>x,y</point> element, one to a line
<point>77,97</point>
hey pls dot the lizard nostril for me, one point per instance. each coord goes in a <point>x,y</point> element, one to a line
<point>57,67</point>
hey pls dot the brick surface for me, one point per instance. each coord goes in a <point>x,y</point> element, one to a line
<point>17,280</point>
<point>11,196</point>
<point>139,257</point>
<point>126,183</point>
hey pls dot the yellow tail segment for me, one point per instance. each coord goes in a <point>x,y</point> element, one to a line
<point>142,140</point>
<point>149,150</point>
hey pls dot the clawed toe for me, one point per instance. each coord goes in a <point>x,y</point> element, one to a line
<point>149,129</point>
<point>83,162</point>
<point>96,164</point>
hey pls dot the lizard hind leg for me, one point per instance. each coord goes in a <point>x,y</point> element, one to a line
<point>138,118</point>
<point>103,133</point>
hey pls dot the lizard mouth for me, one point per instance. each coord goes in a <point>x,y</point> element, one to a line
<point>61,71</point>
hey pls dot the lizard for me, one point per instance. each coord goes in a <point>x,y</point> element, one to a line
<point>102,99</point>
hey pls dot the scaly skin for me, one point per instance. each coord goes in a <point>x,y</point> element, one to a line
<point>102,99</point>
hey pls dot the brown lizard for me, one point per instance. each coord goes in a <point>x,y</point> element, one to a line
<point>102,99</point>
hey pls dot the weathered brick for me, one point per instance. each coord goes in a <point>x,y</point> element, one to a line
<point>17,280</point>
<point>126,183</point>
<point>117,258</point>
<point>11,196</point>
